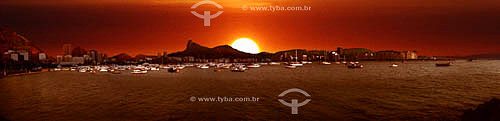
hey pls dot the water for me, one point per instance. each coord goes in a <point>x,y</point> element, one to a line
<point>413,91</point>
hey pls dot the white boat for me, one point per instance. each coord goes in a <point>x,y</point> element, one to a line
<point>155,69</point>
<point>236,69</point>
<point>326,63</point>
<point>139,71</point>
<point>306,62</point>
<point>394,65</point>
<point>239,69</point>
<point>204,67</point>
<point>83,70</point>
<point>104,69</point>
<point>254,66</point>
<point>291,67</point>
<point>274,63</point>
<point>354,65</point>
<point>296,63</point>
<point>180,67</point>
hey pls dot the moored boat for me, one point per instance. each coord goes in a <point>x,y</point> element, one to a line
<point>291,67</point>
<point>203,66</point>
<point>274,63</point>
<point>443,64</point>
<point>116,72</point>
<point>353,66</point>
<point>296,64</point>
<point>238,69</point>
<point>254,66</point>
<point>82,70</point>
<point>325,63</point>
<point>139,71</point>
<point>174,70</point>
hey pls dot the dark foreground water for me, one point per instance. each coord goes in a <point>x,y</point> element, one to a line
<point>414,91</point>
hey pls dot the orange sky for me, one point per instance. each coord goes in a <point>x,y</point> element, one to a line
<point>437,27</point>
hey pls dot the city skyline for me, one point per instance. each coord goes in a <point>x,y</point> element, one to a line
<point>440,28</point>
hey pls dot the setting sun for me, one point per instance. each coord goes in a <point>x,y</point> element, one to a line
<point>246,45</point>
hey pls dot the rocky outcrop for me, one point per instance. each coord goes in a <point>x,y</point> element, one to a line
<point>195,50</point>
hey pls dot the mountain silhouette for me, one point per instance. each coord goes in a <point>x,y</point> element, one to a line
<point>225,51</point>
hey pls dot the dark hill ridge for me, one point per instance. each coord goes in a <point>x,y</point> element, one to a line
<point>224,51</point>
<point>485,56</point>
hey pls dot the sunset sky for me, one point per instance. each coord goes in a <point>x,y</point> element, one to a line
<point>432,27</point>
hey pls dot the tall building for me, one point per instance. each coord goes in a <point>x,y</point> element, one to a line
<point>409,55</point>
<point>67,49</point>
<point>78,52</point>
<point>99,57</point>
<point>59,59</point>
<point>93,56</point>
<point>42,56</point>
<point>68,58</point>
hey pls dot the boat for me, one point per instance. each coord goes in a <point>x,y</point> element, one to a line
<point>353,66</point>
<point>218,70</point>
<point>174,70</point>
<point>116,72</point>
<point>254,66</point>
<point>203,66</point>
<point>296,63</point>
<point>180,67</point>
<point>139,71</point>
<point>57,69</point>
<point>291,67</point>
<point>73,69</point>
<point>82,70</point>
<point>443,64</point>
<point>326,63</point>
<point>238,69</point>
<point>274,63</point>
<point>155,69</point>
<point>104,69</point>
<point>394,65</point>
<point>66,69</point>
